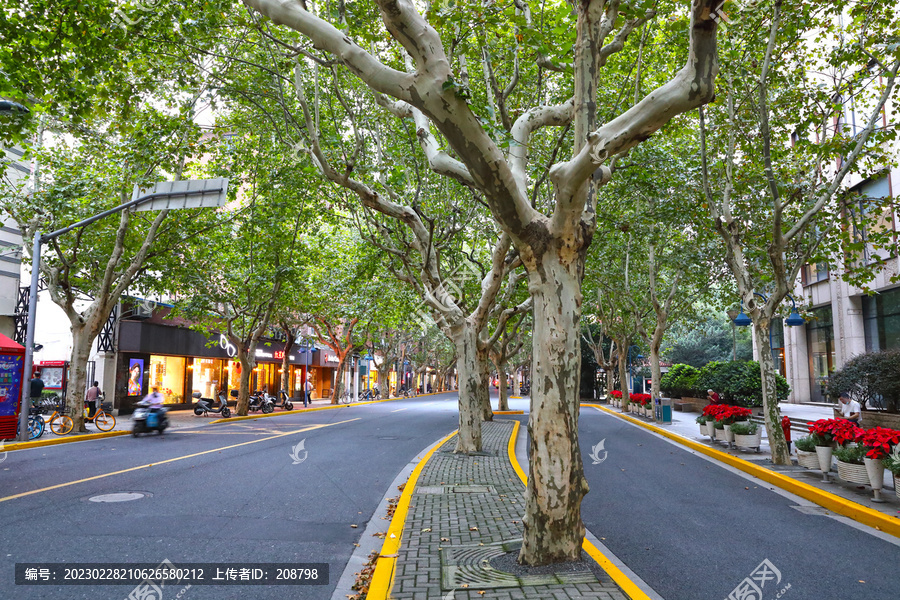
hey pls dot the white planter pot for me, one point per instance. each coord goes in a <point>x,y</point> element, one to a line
<point>823,453</point>
<point>711,430</point>
<point>703,429</point>
<point>748,441</point>
<point>729,437</point>
<point>720,435</point>
<point>809,460</point>
<point>853,473</point>
<point>875,472</point>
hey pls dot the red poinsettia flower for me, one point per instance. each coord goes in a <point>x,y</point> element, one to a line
<point>879,441</point>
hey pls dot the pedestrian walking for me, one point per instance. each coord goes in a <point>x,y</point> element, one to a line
<point>90,398</point>
<point>307,393</point>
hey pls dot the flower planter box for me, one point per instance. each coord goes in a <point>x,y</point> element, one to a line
<point>853,473</point>
<point>749,441</point>
<point>809,460</point>
<point>877,418</point>
<point>720,435</point>
<point>729,437</point>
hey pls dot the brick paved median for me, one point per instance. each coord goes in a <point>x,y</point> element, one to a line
<point>466,510</point>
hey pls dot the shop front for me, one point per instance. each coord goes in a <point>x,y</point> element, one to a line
<point>179,361</point>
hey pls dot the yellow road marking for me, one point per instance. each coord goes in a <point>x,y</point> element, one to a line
<point>169,460</point>
<point>628,586</point>
<point>383,577</point>
<point>847,508</point>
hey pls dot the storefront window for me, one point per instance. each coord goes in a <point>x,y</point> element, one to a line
<point>820,342</point>
<point>167,374</point>
<point>207,376</point>
<point>881,315</point>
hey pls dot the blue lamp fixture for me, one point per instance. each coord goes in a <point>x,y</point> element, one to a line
<point>793,320</point>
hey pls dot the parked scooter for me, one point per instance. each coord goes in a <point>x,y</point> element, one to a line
<point>147,419</point>
<point>286,403</point>
<point>204,406</point>
<point>259,400</point>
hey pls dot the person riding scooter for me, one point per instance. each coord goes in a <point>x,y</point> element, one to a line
<point>156,416</point>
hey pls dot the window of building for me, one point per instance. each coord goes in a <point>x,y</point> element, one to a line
<point>207,376</point>
<point>167,374</point>
<point>881,316</point>
<point>869,216</point>
<point>820,343</point>
<point>814,273</point>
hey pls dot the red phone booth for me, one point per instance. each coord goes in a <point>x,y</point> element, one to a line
<point>12,381</point>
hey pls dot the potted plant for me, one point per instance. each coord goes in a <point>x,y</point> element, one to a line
<point>729,415</point>
<point>806,452</point>
<point>892,464</point>
<point>703,422</point>
<point>710,412</point>
<point>878,442</point>
<point>747,434</point>
<point>616,398</point>
<point>851,467</point>
<point>826,433</point>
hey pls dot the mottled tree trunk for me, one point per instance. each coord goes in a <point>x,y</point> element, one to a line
<point>503,403</point>
<point>77,383</point>
<point>484,363</point>
<point>623,375</point>
<point>472,389</point>
<point>243,401</point>
<point>655,371</point>
<point>516,389</point>
<point>777,442</point>
<point>556,484</point>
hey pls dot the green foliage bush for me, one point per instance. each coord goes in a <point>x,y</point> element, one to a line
<point>679,380</point>
<point>744,428</point>
<point>869,378</point>
<point>851,453</point>
<point>807,444</point>
<point>737,383</point>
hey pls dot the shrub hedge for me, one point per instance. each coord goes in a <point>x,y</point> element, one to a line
<point>737,382</point>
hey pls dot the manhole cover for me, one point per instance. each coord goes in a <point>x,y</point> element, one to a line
<point>119,497</point>
<point>470,566</point>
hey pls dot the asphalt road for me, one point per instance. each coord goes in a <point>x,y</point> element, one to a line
<point>694,530</point>
<point>230,493</point>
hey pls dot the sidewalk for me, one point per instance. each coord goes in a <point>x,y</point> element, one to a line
<point>684,425</point>
<point>463,530</point>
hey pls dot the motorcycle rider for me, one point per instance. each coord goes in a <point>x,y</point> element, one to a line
<point>154,400</point>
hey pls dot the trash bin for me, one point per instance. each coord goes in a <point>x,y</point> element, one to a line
<point>663,410</point>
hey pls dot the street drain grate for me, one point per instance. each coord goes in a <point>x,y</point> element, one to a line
<point>812,510</point>
<point>455,489</point>
<point>119,497</point>
<point>470,566</point>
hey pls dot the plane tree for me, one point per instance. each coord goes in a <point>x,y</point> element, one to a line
<point>799,118</point>
<point>488,150</point>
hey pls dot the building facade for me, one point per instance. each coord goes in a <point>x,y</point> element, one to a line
<point>844,320</point>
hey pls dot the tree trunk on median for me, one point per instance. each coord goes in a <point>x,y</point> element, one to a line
<point>472,389</point>
<point>556,484</point>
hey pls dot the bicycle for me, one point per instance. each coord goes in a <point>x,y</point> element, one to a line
<point>346,397</point>
<point>103,419</point>
<point>60,423</point>
<point>35,423</point>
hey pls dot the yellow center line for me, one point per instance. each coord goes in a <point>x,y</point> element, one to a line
<point>399,409</point>
<point>170,460</point>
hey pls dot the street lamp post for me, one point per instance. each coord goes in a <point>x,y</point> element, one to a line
<point>793,320</point>
<point>732,315</point>
<point>631,365</point>
<point>167,195</point>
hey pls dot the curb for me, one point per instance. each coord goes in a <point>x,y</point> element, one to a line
<point>509,412</point>
<point>383,577</point>
<point>836,504</point>
<point>298,411</point>
<point>629,587</point>
<point>63,440</point>
<point>306,410</point>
